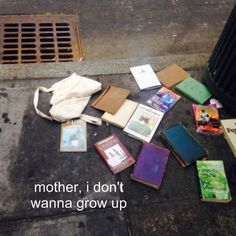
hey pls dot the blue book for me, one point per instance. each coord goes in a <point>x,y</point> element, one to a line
<point>183,145</point>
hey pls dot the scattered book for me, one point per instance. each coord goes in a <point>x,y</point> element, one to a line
<point>163,100</point>
<point>73,136</point>
<point>122,116</point>
<point>143,123</point>
<point>229,130</point>
<point>183,145</point>
<point>207,119</point>
<point>114,153</point>
<point>145,77</point>
<point>194,90</point>
<point>213,182</point>
<point>172,75</point>
<point>151,165</point>
<point>111,99</point>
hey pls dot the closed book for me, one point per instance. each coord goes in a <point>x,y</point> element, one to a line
<point>194,90</point>
<point>172,75</point>
<point>114,153</point>
<point>122,116</point>
<point>111,99</point>
<point>213,181</point>
<point>145,77</point>
<point>183,145</point>
<point>151,165</point>
<point>229,128</point>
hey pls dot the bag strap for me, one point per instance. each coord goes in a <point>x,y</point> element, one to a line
<point>36,99</point>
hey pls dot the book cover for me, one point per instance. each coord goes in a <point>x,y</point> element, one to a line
<point>172,75</point>
<point>145,77</point>
<point>183,145</point>
<point>151,165</point>
<point>163,100</point>
<point>143,123</point>
<point>213,182</point>
<point>207,119</point>
<point>73,136</point>
<point>194,90</point>
<point>114,153</point>
<point>229,128</point>
<point>122,116</point>
<point>111,99</point>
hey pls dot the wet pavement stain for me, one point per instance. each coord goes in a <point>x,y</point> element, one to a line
<point>5,118</point>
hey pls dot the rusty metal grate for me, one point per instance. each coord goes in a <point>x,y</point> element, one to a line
<point>39,39</point>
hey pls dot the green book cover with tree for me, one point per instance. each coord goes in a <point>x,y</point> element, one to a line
<point>213,182</point>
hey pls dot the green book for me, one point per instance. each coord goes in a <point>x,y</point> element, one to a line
<point>194,90</point>
<point>213,182</point>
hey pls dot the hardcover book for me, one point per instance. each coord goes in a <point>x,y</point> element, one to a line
<point>163,100</point>
<point>213,182</point>
<point>194,90</point>
<point>172,75</point>
<point>151,165</point>
<point>207,119</point>
<point>122,116</point>
<point>73,136</point>
<point>111,99</point>
<point>143,123</point>
<point>183,145</point>
<point>114,153</point>
<point>229,128</point>
<point>145,77</point>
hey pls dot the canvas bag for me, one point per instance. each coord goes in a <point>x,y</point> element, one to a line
<point>70,96</point>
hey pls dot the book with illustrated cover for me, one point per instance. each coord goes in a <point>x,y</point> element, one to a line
<point>229,128</point>
<point>143,123</point>
<point>151,165</point>
<point>163,100</point>
<point>207,119</point>
<point>172,75</point>
<point>183,145</point>
<point>73,136</point>
<point>145,77</point>
<point>213,182</point>
<point>114,153</point>
<point>122,116</point>
<point>194,90</point>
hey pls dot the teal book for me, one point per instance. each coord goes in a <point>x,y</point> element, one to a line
<point>194,90</point>
<point>213,182</point>
<point>183,145</point>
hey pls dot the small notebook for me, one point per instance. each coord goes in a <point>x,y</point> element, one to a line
<point>145,77</point>
<point>114,153</point>
<point>151,165</point>
<point>183,145</point>
<point>73,136</point>
<point>111,99</point>
<point>122,116</point>
<point>213,181</point>
<point>143,123</point>
<point>194,90</point>
<point>172,75</point>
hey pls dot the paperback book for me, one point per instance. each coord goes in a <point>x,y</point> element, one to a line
<point>73,136</point>
<point>143,123</point>
<point>114,153</point>
<point>213,182</point>
<point>163,100</point>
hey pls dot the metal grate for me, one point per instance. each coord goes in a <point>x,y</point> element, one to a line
<point>39,39</point>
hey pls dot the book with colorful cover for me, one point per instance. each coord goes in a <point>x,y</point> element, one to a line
<point>151,165</point>
<point>213,181</point>
<point>207,119</point>
<point>163,100</point>
<point>114,153</point>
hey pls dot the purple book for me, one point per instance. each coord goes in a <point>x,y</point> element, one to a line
<point>151,165</point>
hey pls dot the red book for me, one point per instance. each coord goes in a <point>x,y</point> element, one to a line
<point>115,154</point>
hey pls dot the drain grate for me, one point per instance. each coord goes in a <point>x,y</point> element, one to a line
<point>39,39</point>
